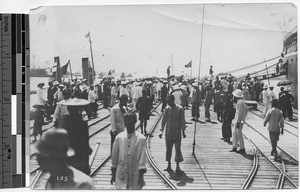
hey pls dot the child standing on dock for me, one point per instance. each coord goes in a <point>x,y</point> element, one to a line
<point>275,119</point>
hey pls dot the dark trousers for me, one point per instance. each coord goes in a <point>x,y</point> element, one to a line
<point>207,114</point>
<point>195,110</point>
<point>164,103</point>
<point>178,154</point>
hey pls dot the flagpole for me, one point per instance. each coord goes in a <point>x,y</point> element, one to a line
<point>70,69</point>
<point>93,76</point>
<point>194,142</point>
<point>172,64</point>
<point>191,69</point>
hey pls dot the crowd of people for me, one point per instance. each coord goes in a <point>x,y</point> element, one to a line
<point>64,105</point>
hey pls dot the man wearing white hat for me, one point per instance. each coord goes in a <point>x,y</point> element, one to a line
<point>266,100</point>
<point>123,90</point>
<point>271,93</point>
<point>240,116</point>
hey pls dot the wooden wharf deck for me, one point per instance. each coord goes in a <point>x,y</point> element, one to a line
<point>212,166</point>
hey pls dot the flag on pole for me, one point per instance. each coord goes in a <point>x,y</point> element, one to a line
<point>188,65</point>
<point>53,68</point>
<point>87,35</point>
<point>64,68</point>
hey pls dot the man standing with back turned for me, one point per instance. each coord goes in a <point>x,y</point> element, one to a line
<point>174,121</point>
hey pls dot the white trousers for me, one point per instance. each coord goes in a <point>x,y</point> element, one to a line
<point>266,108</point>
<point>134,104</point>
<point>237,137</point>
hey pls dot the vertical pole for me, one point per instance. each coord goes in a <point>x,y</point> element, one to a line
<point>268,75</point>
<point>201,42</point>
<point>58,71</point>
<point>172,64</point>
<point>191,70</point>
<point>93,75</point>
<point>194,142</point>
<point>70,69</point>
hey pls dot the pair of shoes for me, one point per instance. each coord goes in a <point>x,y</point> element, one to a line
<point>233,150</point>
<point>207,120</point>
<point>193,119</point>
<point>223,138</point>
<point>272,153</point>
<point>241,151</point>
<point>168,168</point>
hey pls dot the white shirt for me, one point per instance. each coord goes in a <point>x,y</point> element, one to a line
<point>113,91</point>
<point>60,111</point>
<point>241,111</point>
<point>266,96</point>
<point>58,95</point>
<point>117,119</point>
<point>158,86</point>
<point>177,95</point>
<point>272,94</point>
<point>136,92</point>
<point>41,96</point>
<point>123,91</point>
<point>92,96</point>
<point>128,157</point>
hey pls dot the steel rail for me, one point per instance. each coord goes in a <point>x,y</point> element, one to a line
<point>277,168</point>
<point>254,169</point>
<point>296,161</point>
<point>151,161</point>
<point>109,156</point>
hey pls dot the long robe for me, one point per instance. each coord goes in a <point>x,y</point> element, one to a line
<point>128,157</point>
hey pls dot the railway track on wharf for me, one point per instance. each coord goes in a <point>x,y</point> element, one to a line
<point>95,126</point>
<point>99,160</point>
<point>101,173</point>
<point>211,166</point>
<point>287,144</point>
<point>292,124</point>
<point>49,124</point>
<point>273,174</point>
<point>288,128</point>
<point>267,174</point>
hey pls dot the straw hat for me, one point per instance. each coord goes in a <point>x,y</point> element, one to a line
<point>74,102</point>
<point>265,86</point>
<point>55,83</point>
<point>61,85</point>
<point>54,143</point>
<point>195,85</point>
<point>238,93</point>
<point>271,86</point>
<point>176,87</point>
<point>165,81</point>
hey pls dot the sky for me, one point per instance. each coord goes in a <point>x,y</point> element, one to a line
<point>145,39</point>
